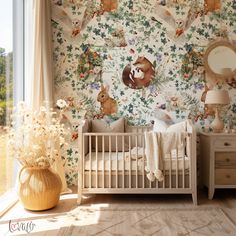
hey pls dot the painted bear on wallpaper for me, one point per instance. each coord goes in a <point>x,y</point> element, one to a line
<point>212,5</point>
<point>109,5</point>
<point>138,75</point>
<point>108,104</point>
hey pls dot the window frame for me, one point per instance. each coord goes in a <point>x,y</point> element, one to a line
<point>9,198</point>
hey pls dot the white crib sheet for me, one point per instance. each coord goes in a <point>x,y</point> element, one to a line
<point>182,162</point>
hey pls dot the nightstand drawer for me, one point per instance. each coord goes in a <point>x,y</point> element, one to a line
<point>225,159</point>
<point>225,144</point>
<point>225,176</point>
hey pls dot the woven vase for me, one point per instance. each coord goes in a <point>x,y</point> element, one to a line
<point>39,188</point>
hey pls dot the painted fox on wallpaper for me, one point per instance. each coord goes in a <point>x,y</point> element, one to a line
<point>138,75</point>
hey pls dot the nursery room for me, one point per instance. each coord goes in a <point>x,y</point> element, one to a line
<point>118,117</point>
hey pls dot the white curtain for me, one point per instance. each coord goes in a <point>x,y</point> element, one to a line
<point>39,70</point>
<point>42,83</point>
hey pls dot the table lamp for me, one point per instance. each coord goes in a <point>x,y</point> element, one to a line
<point>218,99</point>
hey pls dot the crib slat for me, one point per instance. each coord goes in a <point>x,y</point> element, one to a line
<point>136,144</point>
<point>156,183</point>
<point>83,160</point>
<point>130,163</point>
<point>164,174</point>
<point>190,170</point>
<point>90,161</point>
<point>177,169</point>
<point>123,150</point>
<point>143,160</point>
<point>183,168</point>
<point>170,172</point>
<point>96,161</point>
<point>110,161</point>
<point>117,184</point>
<point>150,184</point>
<point>103,162</point>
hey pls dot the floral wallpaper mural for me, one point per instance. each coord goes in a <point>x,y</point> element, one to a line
<point>144,56</point>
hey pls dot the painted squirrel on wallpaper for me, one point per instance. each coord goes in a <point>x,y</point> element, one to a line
<point>139,74</point>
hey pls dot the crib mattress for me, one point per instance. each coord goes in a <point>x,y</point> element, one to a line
<point>123,162</point>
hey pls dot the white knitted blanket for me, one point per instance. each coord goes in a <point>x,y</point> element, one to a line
<point>158,144</point>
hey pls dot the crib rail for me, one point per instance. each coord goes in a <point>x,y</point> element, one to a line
<point>115,163</point>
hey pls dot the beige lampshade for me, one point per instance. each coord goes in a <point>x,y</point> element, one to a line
<point>217,97</point>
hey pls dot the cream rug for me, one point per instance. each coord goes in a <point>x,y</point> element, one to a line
<point>151,222</point>
<point>105,221</point>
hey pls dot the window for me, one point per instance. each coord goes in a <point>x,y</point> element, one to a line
<point>11,81</point>
<point>6,91</point>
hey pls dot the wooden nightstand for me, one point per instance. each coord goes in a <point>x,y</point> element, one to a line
<point>218,161</point>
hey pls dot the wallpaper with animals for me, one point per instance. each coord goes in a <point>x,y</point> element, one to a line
<point>137,59</point>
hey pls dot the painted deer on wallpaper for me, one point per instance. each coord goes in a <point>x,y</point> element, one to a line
<point>208,109</point>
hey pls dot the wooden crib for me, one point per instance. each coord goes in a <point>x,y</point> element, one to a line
<point>114,163</point>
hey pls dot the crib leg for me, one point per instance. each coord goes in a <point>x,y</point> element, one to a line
<point>79,199</point>
<point>194,197</point>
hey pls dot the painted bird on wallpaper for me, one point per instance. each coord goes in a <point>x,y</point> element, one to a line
<point>139,74</point>
<point>70,23</point>
<point>177,25</point>
<point>108,104</point>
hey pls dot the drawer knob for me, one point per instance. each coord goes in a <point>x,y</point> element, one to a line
<point>227,160</point>
<point>228,176</point>
<point>227,144</point>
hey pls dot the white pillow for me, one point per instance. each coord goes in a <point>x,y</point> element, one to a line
<point>159,126</point>
<point>178,127</point>
<point>162,126</point>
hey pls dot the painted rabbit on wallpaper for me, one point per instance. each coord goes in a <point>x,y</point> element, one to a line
<point>108,104</point>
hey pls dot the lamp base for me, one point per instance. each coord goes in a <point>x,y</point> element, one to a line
<point>217,125</point>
